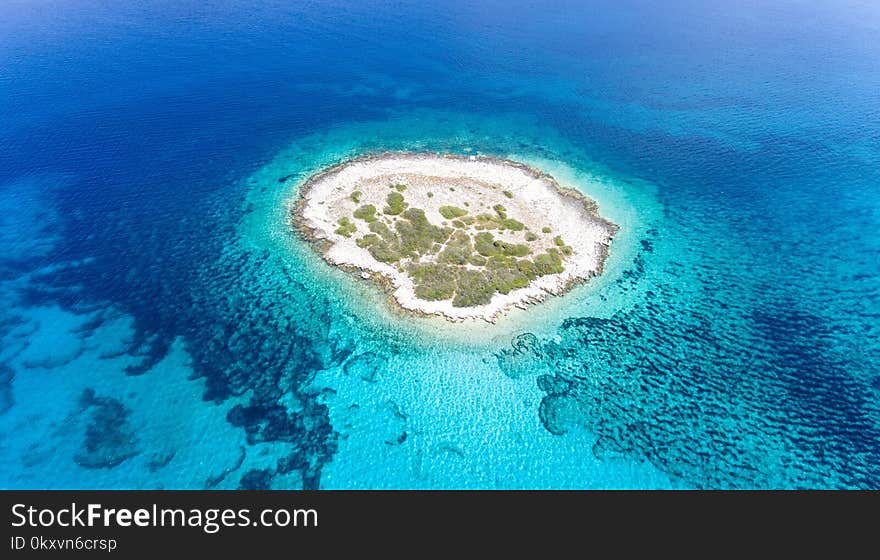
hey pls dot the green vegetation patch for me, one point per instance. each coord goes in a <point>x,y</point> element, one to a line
<point>486,221</point>
<point>434,282</point>
<point>508,194</point>
<point>499,221</point>
<point>486,245</point>
<point>458,249</point>
<point>384,252</point>
<point>472,289</point>
<point>366,213</point>
<point>516,249</point>
<point>417,234</point>
<point>452,212</point>
<point>356,196</point>
<point>398,187</point>
<point>386,247</point>
<point>513,225</point>
<point>367,240</point>
<point>566,250</point>
<point>546,229</point>
<point>396,205</point>
<point>468,269</point>
<point>382,230</point>
<point>548,263</point>
<point>346,228</point>
<point>504,275</point>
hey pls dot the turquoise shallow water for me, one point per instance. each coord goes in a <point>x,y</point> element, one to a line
<point>164,328</point>
<point>419,402</point>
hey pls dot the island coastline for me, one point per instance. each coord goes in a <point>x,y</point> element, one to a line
<point>316,211</point>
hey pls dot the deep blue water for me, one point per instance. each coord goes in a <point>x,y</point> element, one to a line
<point>161,326</point>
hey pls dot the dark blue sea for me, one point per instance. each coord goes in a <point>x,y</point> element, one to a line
<point>163,326</point>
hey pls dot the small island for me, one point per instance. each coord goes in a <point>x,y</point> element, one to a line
<point>460,237</point>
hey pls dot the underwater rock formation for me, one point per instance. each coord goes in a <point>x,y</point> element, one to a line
<point>109,438</point>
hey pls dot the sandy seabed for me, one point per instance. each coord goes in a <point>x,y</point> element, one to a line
<point>532,197</point>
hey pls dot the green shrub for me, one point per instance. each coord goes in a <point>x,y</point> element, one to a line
<point>434,282</point>
<point>516,249</point>
<point>451,212</point>
<point>548,263</point>
<point>531,236</point>
<point>398,187</point>
<point>417,234</point>
<point>546,229</point>
<point>458,223</point>
<point>396,205</point>
<point>473,289</point>
<point>386,248</point>
<point>484,244</point>
<point>513,225</point>
<point>366,213</point>
<point>504,275</point>
<point>486,221</point>
<point>527,268</point>
<point>385,252</point>
<point>346,228</point>
<point>430,195</point>
<point>508,194</point>
<point>559,242</point>
<point>500,261</point>
<point>457,250</point>
<point>500,210</point>
<point>367,240</point>
<point>477,260</point>
<point>356,196</point>
<point>384,232</point>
